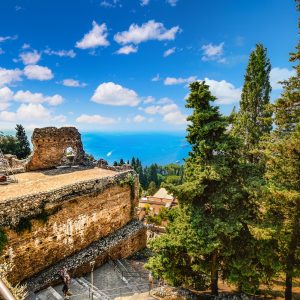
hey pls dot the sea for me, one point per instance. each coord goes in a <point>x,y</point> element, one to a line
<point>150,147</point>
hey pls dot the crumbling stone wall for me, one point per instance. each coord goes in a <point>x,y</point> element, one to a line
<point>50,145</point>
<point>121,244</point>
<point>79,215</point>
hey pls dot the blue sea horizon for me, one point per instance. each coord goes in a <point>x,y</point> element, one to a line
<point>149,147</point>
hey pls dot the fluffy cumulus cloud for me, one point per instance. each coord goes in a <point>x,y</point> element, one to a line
<point>127,49</point>
<point>110,93</point>
<point>61,53</point>
<point>73,83</point>
<point>225,91</point>
<point>27,112</point>
<point>30,58</point>
<point>95,119</point>
<point>6,95</point>
<point>180,80</point>
<point>96,37</point>
<point>169,51</point>
<point>213,52</point>
<point>139,119</point>
<point>9,76</point>
<point>170,112</point>
<point>279,74</point>
<point>148,31</point>
<point>29,97</point>
<point>38,72</point>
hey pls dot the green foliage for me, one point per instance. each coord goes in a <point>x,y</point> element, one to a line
<point>152,189</point>
<point>3,239</point>
<point>130,180</point>
<point>24,146</point>
<point>254,117</point>
<point>9,144</point>
<point>158,219</point>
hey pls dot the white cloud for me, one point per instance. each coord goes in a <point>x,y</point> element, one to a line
<point>95,37</point>
<point>149,99</point>
<point>114,94</point>
<point>73,83</point>
<point>172,2</point>
<point>25,46</point>
<point>30,58</point>
<point>169,51</point>
<point>26,112</point>
<point>95,119</point>
<point>6,94</point>
<point>109,4</point>
<point>1,51</point>
<point>180,80</point>
<point>60,119</point>
<point>225,91</point>
<point>280,74</point>
<point>213,52</point>
<point>144,2</point>
<point>38,72</point>
<point>4,105</point>
<point>139,119</point>
<point>9,76</point>
<point>6,38</point>
<point>170,112</point>
<point>29,97</point>
<point>156,78</point>
<point>175,117</point>
<point>148,31</point>
<point>61,53</point>
<point>127,49</point>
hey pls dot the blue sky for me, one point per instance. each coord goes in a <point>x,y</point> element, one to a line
<point>125,65</point>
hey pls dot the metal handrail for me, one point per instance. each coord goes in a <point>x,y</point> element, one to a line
<point>5,293</point>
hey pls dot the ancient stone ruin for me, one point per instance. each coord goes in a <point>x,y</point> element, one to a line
<point>51,146</point>
<point>66,217</point>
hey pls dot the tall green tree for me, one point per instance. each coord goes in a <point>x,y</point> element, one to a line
<point>282,150</point>
<point>24,146</point>
<point>254,117</point>
<point>215,207</point>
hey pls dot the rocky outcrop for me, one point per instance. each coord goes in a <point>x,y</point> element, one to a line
<point>50,145</point>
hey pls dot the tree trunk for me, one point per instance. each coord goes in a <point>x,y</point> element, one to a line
<point>288,294</point>
<point>214,274</point>
<point>291,256</point>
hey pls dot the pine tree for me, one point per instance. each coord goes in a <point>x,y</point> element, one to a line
<point>215,209</point>
<point>254,117</point>
<point>282,150</point>
<point>24,146</point>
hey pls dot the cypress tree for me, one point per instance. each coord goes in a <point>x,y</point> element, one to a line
<point>282,150</point>
<point>214,206</point>
<point>24,146</point>
<point>254,117</point>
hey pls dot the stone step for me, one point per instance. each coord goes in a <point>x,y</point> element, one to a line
<point>49,294</point>
<point>98,294</point>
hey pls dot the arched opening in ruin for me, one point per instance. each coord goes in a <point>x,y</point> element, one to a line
<point>68,157</point>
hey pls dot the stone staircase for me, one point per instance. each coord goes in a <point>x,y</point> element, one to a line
<point>115,279</point>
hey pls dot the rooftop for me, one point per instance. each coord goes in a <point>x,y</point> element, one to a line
<point>163,193</point>
<point>43,181</point>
